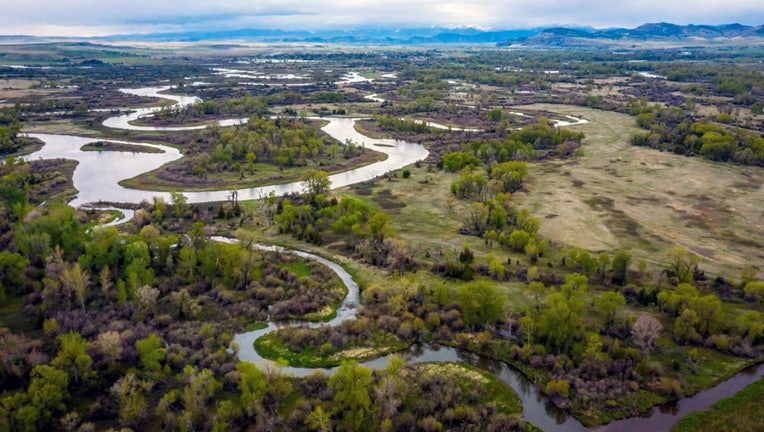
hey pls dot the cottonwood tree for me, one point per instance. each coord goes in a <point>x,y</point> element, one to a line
<point>75,280</point>
<point>620,267</point>
<point>755,290</point>
<point>562,320</point>
<point>645,331</point>
<point>109,344</point>
<point>316,182</point>
<point>609,303</point>
<point>151,352</point>
<point>147,298</point>
<point>682,263</point>
<point>482,303</point>
<point>319,420</point>
<point>351,384</point>
<point>200,388</point>
<point>72,355</point>
<point>130,392</point>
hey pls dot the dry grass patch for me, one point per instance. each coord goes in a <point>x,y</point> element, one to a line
<point>621,196</point>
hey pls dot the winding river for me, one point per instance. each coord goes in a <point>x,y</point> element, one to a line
<point>98,174</point>
<point>97,178</point>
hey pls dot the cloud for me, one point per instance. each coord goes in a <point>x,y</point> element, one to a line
<point>86,17</point>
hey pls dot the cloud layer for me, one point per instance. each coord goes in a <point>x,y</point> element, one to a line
<point>99,17</point>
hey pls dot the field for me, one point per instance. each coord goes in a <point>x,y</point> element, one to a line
<point>621,196</point>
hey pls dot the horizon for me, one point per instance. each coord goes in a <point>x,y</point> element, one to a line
<point>93,18</point>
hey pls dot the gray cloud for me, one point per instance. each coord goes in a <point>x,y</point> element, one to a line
<point>89,17</point>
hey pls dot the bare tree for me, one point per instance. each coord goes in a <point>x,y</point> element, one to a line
<point>645,331</point>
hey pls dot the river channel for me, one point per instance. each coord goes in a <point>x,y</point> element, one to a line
<point>97,178</point>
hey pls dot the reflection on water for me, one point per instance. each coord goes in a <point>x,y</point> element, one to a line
<point>98,174</point>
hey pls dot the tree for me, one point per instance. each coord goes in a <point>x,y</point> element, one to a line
<point>750,325</point>
<point>379,227</point>
<point>316,182</point>
<point>147,298</point>
<point>494,115</point>
<point>620,267</point>
<point>482,303</point>
<point>151,352</point>
<point>47,391</point>
<point>609,304</point>
<point>351,385</point>
<point>319,420</point>
<point>251,386</point>
<point>604,262</point>
<point>755,290</point>
<point>72,355</point>
<point>538,289</point>
<point>179,202</point>
<point>684,326</point>
<point>130,394</point>
<point>709,311</point>
<point>75,280</point>
<point>682,264</point>
<point>12,266</point>
<point>645,331</point>
<point>562,320</point>
<point>201,386</point>
<point>109,344</point>
<point>518,239</point>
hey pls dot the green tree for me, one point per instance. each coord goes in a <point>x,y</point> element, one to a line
<point>495,115</point>
<point>684,326</point>
<point>319,420</point>
<point>709,311</point>
<point>755,290</point>
<point>518,239</point>
<point>47,392</point>
<point>12,266</point>
<point>562,321</point>
<point>151,352</point>
<point>751,325</point>
<point>72,355</point>
<point>316,182</point>
<point>482,303</point>
<point>682,264</point>
<point>609,303</point>
<point>350,385</point>
<point>251,387</point>
<point>379,227</point>
<point>179,203</point>
<point>200,387</point>
<point>620,267</point>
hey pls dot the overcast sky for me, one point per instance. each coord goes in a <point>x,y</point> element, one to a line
<point>102,17</point>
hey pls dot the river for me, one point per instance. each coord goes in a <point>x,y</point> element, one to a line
<point>110,167</point>
<point>97,178</point>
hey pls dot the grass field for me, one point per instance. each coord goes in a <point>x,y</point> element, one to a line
<point>621,196</point>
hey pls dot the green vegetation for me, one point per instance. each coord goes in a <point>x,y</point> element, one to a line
<point>744,411</point>
<point>300,349</point>
<point>120,147</point>
<point>674,130</point>
<point>614,277</point>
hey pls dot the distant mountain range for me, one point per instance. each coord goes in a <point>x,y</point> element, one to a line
<point>405,36</point>
<point>647,32</point>
<point>559,36</point>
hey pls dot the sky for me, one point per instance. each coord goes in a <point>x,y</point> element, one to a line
<point>107,17</point>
